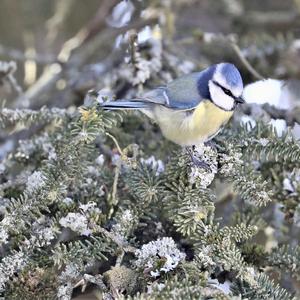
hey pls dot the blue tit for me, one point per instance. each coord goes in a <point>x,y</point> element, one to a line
<point>193,108</point>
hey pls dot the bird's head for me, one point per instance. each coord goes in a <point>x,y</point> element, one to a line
<point>226,86</point>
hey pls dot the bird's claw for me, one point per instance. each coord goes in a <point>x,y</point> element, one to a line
<point>198,162</point>
<point>201,164</point>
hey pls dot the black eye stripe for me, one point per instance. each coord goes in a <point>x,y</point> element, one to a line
<point>226,91</point>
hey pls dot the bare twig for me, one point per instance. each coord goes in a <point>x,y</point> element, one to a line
<point>54,72</point>
<point>7,70</point>
<point>231,39</point>
<point>106,35</point>
<point>75,59</point>
<point>13,82</point>
<point>116,143</point>
<point>55,23</point>
<point>114,200</point>
<point>245,62</point>
<point>87,32</point>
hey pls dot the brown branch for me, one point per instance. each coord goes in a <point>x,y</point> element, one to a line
<point>244,61</point>
<point>106,35</point>
<point>56,22</point>
<point>87,32</point>
<point>86,45</point>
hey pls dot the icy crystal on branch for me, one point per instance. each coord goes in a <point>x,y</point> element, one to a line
<point>159,256</point>
<point>199,175</point>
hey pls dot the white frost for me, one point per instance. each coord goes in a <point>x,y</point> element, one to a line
<point>287,185</point>
<point>269,91</point>
<point>280,126</point>
<point>11,265</point>
<point>155,164</point>
<point>144,35</point>
<point>100,160</point>
<point>263,141</point>
<point>68,201</point>
<point>121,14</point>
<point>35,181</point>
<point>76,222</point>
<point>122,226</point>
<point>199,174</point>
<point>90,207</point>
<point>153,254</point>
<point>248,121</point>
<point>3,236</point>
<point>224,287</point>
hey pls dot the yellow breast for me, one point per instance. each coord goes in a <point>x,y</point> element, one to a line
<point>191,128</point>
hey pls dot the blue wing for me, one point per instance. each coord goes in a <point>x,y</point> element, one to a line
<point>183,93</point>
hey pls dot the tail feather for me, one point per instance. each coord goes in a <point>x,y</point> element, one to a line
<point>124,104</point>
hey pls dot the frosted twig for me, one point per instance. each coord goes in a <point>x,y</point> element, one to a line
<point>115,184</point>
<point>116,143</point>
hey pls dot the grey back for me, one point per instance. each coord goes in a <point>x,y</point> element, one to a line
<point>183,93</point>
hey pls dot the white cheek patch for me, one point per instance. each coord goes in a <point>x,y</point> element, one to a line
<point>219,98</point>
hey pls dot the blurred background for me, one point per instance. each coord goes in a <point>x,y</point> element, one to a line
<point>62,48</point>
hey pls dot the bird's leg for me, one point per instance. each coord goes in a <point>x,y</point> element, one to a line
<point>196,161</point>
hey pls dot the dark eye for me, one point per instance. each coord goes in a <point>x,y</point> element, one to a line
<point>227,92</point>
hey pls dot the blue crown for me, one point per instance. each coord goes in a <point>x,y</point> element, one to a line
<point>232,75</point>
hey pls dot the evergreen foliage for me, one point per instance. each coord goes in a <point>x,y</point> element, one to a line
<point>99,199</point>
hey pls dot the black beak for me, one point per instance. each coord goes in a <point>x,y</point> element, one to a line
<point>240,100</point>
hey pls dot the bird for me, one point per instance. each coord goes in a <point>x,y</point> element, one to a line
<point>193,108</point>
